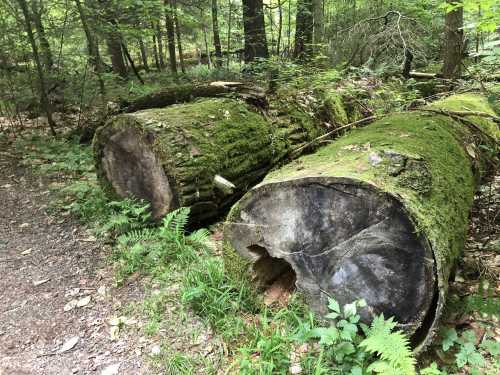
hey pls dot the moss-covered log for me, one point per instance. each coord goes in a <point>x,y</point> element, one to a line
<point>192,154</point>
<point>379,214</point>
<point>188,92</point>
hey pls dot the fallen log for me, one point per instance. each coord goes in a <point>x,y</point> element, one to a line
<point>379,214</point>
<point>204,154</point>
<point>189,92</point>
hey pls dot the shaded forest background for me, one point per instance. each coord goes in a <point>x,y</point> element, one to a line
<point>82,54</point>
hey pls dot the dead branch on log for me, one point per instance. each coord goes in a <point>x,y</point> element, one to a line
<point>297,152</point>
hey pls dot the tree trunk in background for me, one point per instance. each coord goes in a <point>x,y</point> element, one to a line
<point>304,30</point>
<point>179,37</point>
<point>454,42</point>
<point>205,39</point>
<point>144,55</point>
<point>44,100</point>
<point>229,30</point>
<point>318,26</point>
<point>37,8</point>
<point>93,49</point>
<point>215,25</point>
<point>159,39</point>
<point>169,25</point>
<point>255,30</point>
<point>113,39</point>
<point>280,27</point>
<point>155,52</point>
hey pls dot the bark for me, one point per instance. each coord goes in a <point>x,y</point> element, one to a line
<point>144,55</point>
<point>454,42</point>
<point>36,7</point>
<point>44,100</point>
<point>169,24</point>
<point>304,30</point>
<point>171,156</point>
<point>319,27</point>
<point>380,214</point>
<point>159,39</point>
<point>93,49</point>
<point>179,37</point>
<point>113,40</point>
<point>255,30</point>
<point>215,28</point>
<point>155,54</point>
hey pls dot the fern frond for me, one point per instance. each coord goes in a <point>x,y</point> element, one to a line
<point>177,220</point>
<point>200,236</point>
<point>392,347</point>
<point>135,236</point>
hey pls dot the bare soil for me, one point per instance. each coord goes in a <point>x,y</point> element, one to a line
<point>46,263</point>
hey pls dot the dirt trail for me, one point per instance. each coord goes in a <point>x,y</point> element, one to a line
<point>45,263</point>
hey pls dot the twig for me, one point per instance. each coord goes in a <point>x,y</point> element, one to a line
<point>297,151</point>
<point>462,113</point>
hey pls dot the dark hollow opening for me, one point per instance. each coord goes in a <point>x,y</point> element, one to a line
<point>276,276</point>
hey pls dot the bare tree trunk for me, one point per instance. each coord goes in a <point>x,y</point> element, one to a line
<point>179,37</point>
<point>93,49</point>
<point>255,30</point>
<point>113,39</point>
<point>44,101</point>
<point>169,25</point>
<point>304,29</point>
<point>155,52</point>
<point>36,9</point>
<point>144,55</point>
<point>229,26</point>
<point>454,42</point>
<point>280,27</point>
<point>207,50</point>
<point>159,39</point>
<point>215,26</point>
<point>319,27</point>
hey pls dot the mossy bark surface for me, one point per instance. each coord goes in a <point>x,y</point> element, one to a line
<point>170,156</point>
<point>380,214</point>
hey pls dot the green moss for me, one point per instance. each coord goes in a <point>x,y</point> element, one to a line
<point>419,158</point>
<point>334,106</point>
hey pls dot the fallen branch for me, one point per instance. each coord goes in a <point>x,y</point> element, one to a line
<point>297,152</point>
<point>463,113</point>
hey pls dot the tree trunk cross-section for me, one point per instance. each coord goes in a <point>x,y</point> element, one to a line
<point>186,154</point>
<point>379,214</point>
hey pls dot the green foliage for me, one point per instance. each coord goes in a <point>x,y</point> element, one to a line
<point>392,347</point>
<point>150,250</point>
<point>467,352</point>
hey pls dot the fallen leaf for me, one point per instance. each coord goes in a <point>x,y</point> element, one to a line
<point>111,369</point>
<point>70,344</point>
<point>26,252</point>
<point>83,301</point>
<point>70,305</point>
<point>24,225</point>
<point>40,282</point>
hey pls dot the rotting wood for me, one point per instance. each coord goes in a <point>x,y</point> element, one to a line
<point>379,214</point>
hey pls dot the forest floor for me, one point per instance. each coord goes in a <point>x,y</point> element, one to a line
<point>63,312</point>
<point>57,289</point>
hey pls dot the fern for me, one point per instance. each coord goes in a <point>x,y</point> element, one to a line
<point>176,220</point>
<point>393,348</point>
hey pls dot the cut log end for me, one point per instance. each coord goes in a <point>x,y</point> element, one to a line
<point>341,239</point>
<point>134,171</point>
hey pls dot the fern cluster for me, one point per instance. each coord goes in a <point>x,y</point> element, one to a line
<point>151,249</point>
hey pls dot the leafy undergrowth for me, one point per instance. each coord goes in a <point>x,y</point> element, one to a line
<point>190,293</point>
